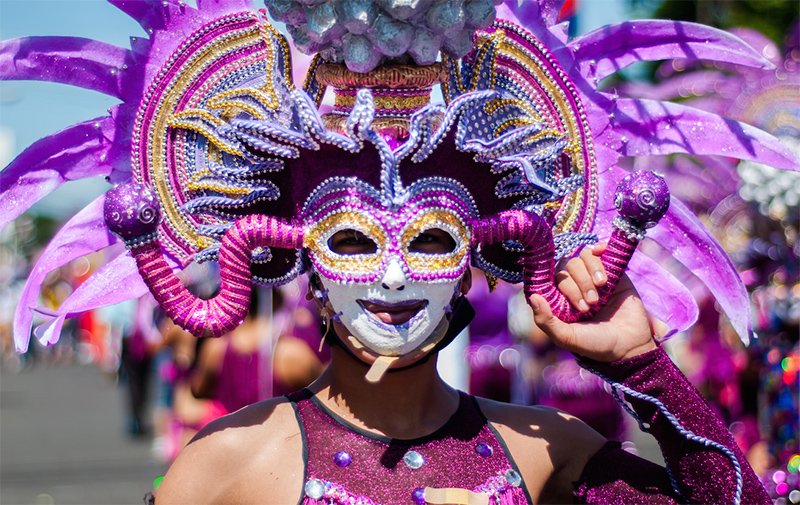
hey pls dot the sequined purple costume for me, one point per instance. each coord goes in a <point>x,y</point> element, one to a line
<point>701,455</point>
<point>698,454</point>
<point>344,462</point>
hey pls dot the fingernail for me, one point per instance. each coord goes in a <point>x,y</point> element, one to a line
<point>582,306</point>
<point>534,304</point>
<point>591,296</point>
<point>599,277</point>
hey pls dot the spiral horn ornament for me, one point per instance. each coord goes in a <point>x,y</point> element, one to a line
<point>642,199</point>
<point>132,212</point>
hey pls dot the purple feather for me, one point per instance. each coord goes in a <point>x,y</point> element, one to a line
<point>78,152</point>
<point>646,127</point>
<point>48,332</point>
<point>695,84</point>
<point>614,47</point>
<point>85,63</point>
<point>119,271</point>
<point>530,15</point>
<point>93,293</point>
<point>683,235</point>
<point>155,15</point>
<point>85,233</point>
<point>671,303</point>
<point>218,6</point>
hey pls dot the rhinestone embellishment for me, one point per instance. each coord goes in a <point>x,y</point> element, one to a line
<point>418,496</point>
<point>315,489</point>
<point>413,460</point>
<point>513,477</point>
<point>342,459</point>
<point>483,449</point>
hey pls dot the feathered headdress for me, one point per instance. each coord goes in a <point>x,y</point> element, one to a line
<point>214,133</point>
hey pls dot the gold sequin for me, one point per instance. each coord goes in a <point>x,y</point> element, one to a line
<point>316,239</point>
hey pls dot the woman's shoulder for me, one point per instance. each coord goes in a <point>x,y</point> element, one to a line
<point>537,424</point>
<point>217,465</point>
<point>545,418</point>
<point>550,446</point>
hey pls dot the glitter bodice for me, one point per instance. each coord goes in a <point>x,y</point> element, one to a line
<point>347,465</point>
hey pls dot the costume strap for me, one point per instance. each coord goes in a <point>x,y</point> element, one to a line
<point>614,475</point>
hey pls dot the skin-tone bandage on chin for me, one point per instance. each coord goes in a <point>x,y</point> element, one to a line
<point>382,364</point>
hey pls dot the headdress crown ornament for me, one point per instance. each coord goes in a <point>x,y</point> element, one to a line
<point>244,165</point>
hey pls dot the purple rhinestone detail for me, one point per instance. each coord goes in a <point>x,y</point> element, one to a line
<point>642,198</point>
<point>131,210</point>
<point>418,496</point>
<point>483,449</point>
<point>342,459</point>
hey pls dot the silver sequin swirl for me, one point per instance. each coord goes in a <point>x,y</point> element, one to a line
<point>646,199</point>
<point>147,213</point>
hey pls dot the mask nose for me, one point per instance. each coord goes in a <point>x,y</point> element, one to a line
<point>394,279</point>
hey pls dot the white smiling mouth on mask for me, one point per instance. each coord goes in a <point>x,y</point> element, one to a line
<point>367,311</point>
<point>374,309</point>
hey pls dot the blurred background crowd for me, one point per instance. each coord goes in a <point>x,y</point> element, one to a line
<point>174,384</point>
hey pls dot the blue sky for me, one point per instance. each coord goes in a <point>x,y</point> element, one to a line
<point>32,110</point>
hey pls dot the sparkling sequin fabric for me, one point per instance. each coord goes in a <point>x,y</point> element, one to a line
<point>703,473</point>
<point>345,465</point>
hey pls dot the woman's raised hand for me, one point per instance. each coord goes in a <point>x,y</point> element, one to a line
<point>621,329</point>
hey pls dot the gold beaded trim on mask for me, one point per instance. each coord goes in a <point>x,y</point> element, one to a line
<point>387,101</point>
<point>317,241</point>
<point>439,219</point>
<point>573,126</point>
<point>570,124</point>
<point>159,170</point>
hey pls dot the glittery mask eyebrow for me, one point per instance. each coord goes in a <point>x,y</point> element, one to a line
<point>392,231</point>
<point>329,263</point>
<point>426,266</point>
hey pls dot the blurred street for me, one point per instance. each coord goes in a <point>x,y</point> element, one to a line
<point>62,439</point>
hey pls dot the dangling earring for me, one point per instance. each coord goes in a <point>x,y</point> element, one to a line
<point>491,280</point>
<point>326,313</point>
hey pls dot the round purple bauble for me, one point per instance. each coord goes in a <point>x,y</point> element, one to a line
<point>132,210</point>
<point>642,198</point>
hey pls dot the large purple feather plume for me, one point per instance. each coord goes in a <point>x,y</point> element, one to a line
<point>95,148</point>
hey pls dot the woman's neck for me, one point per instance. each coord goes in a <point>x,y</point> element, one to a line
<point>406,404</point>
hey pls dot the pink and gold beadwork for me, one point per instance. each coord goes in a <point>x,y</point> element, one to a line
<point>354,266</point>
<point>521,61</point>
<point>428,265</point>
<point>220,66</point>
<point>392,231</point>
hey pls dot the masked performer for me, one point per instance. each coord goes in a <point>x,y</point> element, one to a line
<point>385,200</point>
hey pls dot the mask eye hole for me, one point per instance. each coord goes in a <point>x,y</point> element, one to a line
<point>433,241</point>
<point>349,242</point>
